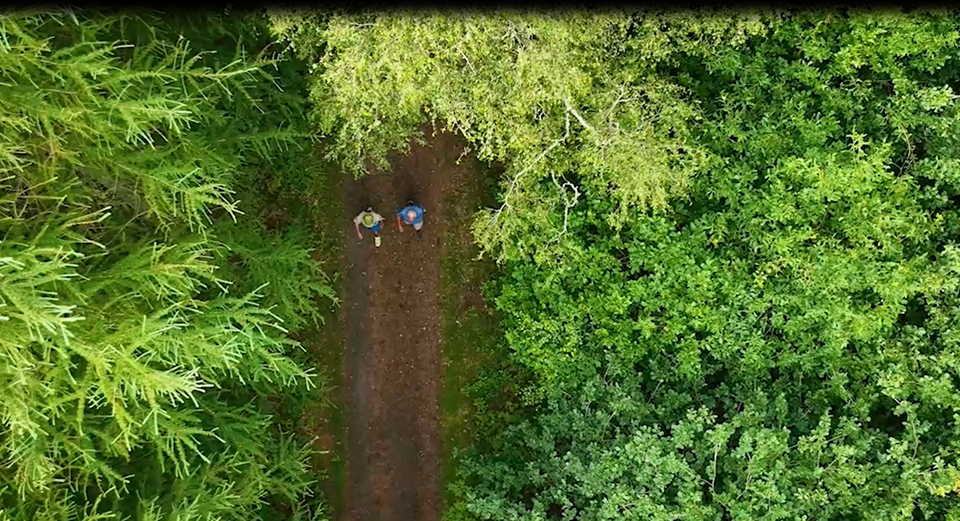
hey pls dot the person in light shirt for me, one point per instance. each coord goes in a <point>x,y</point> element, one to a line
<point>370,220</point>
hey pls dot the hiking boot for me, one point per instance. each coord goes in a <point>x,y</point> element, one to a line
<point>376,241</point>
<point>420,234</point>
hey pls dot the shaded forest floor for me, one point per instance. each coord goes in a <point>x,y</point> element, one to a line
<point>407,340</point>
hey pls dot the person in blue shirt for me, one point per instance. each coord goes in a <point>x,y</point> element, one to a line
<point>411,214</point>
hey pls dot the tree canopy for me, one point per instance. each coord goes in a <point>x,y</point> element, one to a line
<point>134,376</point>
<point>728,243</point>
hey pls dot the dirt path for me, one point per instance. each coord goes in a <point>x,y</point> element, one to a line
<point>392,319</point>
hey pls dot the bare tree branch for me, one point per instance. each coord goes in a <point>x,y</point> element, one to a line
<point>621,98</point>
<point>466,150</point>
<point>567,203</point>
<point>516,179</point>
<point>469,63</point>
<point>571,110</point>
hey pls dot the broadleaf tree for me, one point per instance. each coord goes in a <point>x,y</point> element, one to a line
<point>728,244</point>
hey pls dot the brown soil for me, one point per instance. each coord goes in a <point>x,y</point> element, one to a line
<point>392,318</point>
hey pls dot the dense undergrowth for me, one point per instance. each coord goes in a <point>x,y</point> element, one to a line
<point>144,304</point>
<point>728,246</point>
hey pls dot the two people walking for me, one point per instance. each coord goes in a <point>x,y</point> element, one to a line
<point>412,215</point>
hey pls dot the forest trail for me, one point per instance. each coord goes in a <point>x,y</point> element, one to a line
<point>391,315</point>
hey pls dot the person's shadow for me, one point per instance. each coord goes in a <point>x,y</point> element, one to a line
<point>407,190</point>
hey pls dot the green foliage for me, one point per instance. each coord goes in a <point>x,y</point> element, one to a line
<point>134,381</point>
<point>544,94</point>
<point>728,240</point>
<point>277,265</point>
<point>777,345</point>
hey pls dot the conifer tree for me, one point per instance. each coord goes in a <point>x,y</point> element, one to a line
<point>130,372</point>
